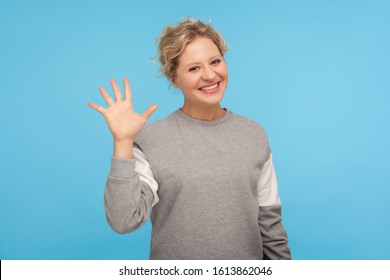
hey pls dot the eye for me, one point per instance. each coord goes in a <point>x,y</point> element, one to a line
<point>193,69</point>
<point>216,61</point>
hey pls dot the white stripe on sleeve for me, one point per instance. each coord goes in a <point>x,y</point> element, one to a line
<point>143,169</point>
<point>267,185</point>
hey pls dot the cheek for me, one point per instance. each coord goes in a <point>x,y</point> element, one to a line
<point>191,81</point>
<point>225,75</point>
<point>223,72</point>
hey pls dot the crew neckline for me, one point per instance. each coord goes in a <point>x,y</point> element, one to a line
<point>188,118</point>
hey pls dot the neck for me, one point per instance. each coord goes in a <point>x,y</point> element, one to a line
<point>204,113</point>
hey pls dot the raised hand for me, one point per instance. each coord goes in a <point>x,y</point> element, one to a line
<point>123,122</point>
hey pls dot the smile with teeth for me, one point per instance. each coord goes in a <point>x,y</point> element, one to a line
<point>208,88</point>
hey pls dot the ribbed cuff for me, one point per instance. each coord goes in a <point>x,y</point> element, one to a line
<point>122,168</point>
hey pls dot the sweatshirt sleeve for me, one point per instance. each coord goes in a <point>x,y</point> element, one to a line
<point>275,240</point>
<point>130,193</point>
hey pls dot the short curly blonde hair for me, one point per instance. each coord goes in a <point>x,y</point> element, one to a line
<point>174,39</point>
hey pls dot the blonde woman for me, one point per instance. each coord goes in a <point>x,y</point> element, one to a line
<point>203,175</point>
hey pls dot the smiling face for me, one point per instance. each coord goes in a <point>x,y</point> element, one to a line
<point>201,75</point>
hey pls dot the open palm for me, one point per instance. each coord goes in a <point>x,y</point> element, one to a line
<point>123,122</point>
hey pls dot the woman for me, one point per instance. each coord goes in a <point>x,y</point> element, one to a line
<point>203,174</point>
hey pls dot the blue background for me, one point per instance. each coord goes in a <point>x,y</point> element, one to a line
<point>315,74</point>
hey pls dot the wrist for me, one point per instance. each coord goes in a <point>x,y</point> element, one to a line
<point>123,148</point>
<point>124,141</point>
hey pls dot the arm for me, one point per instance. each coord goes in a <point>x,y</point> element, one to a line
<point>130,194</point>
<point>275,240</point>
<point>131,190</point>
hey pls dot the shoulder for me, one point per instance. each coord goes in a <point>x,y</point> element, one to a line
<point>155,129</point>
<point>252,137</point>
<point>248,125</point>
<point>159,124</point>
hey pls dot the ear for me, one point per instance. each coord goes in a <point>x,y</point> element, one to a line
<point>174,83</point>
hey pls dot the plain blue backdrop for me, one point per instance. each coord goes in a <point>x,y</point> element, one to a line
<point>315,74</point>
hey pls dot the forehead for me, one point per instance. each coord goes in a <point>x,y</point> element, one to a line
<point>200,49</point>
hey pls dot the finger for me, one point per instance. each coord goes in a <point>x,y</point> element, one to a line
<point>106,96</point>
<point>98,108</point>
<point>148,112</point>
<point>127,89</point>
<point>117,92</point>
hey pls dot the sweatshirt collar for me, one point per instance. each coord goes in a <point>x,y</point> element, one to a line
<point>190,119</point>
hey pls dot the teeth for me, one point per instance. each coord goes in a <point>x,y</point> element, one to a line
<point>209,87</point>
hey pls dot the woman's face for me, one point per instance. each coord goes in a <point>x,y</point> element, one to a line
<point>202,74</point>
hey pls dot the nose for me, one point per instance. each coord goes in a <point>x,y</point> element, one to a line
<point>209,74</point>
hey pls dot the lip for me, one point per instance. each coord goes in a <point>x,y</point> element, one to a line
<point>211,91</point>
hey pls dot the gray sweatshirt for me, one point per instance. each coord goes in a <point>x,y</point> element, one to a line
<point>209,188</point>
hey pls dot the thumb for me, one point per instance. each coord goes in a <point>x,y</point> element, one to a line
<point>148,112</point>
